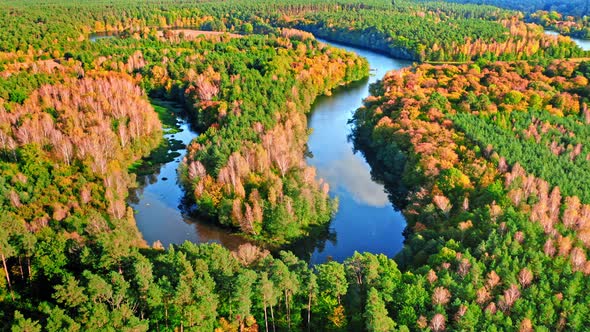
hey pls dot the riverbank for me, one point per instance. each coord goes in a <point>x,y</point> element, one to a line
<point>583,43</point>
<point>161,212</point>
<point>371,40</point>
<point>366,220</point>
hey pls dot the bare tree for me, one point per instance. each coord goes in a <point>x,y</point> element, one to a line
<point>441,296</point>
<point>438,323</point>
<point>525,277</point>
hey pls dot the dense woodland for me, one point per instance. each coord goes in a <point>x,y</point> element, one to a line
<point>431,34</point>
<point>408,29</point>
<point>569,18</point>
<point>247,169</point>
<point>571,7</point>
<point>474,151</point>
<point>492,156</point>
<point>574,26</point>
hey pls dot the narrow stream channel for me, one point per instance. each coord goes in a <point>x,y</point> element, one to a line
<point>366,220</point>
<point>158,202</point>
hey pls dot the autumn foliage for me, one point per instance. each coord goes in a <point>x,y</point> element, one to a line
<point>94,125</point>
<point>472,145</point>
<point>247,169</point>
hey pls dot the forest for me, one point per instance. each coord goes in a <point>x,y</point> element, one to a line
<point>577,8</point>
<point>573,26</point>
<point>569,18</point>
<point>481,143</point>
<point>477,147</point>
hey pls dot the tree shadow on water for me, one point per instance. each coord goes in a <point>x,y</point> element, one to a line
<point>315,240</point>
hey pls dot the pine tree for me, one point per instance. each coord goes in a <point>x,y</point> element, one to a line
<point>376,318</point>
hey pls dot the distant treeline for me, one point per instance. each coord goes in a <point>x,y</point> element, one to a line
<point>569,7</point>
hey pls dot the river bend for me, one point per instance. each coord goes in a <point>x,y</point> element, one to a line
<point>366,220</point>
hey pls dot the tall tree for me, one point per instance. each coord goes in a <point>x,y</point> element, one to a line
<point>241,296</point>
<point>269,298</point>
<point>376,318</point>
<point>6,251</point>
<point>332,280</point>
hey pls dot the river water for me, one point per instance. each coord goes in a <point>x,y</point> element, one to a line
<point>366,220</point>
<point>160,212</point>
<point>584,44</point>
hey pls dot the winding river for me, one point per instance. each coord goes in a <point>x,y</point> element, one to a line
<point>366,220</point>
